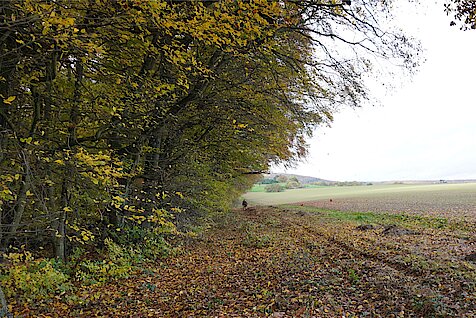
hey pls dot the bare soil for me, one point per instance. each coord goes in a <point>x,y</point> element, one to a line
<point>439,205</point>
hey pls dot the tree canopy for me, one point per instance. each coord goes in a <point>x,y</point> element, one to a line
<point>155,113</point>
<point>463,11</point>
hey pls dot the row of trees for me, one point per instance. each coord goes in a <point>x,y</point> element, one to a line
<point>154,113</point>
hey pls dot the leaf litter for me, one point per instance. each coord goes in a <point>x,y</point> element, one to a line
<point>276,262</point>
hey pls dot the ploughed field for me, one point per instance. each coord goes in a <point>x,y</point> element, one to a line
<point>310,261</point>
<point>452,201</point>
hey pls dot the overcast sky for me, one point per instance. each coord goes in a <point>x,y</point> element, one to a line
<point>425,128</point>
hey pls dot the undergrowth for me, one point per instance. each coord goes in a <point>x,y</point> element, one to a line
<point>35,280</point>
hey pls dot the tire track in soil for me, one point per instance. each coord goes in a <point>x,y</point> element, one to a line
<point>427,279</point>
<point>371,265</point>
<point>412,272</point>
<point>374,266</point>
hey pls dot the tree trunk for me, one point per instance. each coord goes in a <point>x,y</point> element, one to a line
<point>60,233</point>
<point>20,207</point>
<point>60,238</point>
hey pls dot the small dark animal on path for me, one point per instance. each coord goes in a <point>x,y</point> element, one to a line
<point>244,204</point>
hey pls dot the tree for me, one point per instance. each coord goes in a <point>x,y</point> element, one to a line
<point>292,185</point>
<point>282,179</point>
<point>268,181</point>
<point>121,113</point>
<point>294,179</point>
<point>463,11</point>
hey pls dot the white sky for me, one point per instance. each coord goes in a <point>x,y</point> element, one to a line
<point>424,130</point>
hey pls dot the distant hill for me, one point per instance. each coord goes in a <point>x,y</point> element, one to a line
<point>309,180</point>
<point>313,180</point>
<point>302,179</point>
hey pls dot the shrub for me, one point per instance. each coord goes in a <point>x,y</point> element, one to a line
<point>35,281</point>
<point>274,188</point>
<point>268,181</point>
<point>32,280</point>
<point>293,185</point>
<point>120,260</point>
<point>294,179</point>
<point>151,242</point>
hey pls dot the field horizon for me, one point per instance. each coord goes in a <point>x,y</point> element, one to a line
<point>431,198</point>
<point>390,181</point>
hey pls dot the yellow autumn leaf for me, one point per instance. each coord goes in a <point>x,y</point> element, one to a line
<point>9,100</point>
<point>26,140</point>
<point>68,21</point>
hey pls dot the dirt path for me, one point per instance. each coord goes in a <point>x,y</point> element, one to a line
<point>285,263</point>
